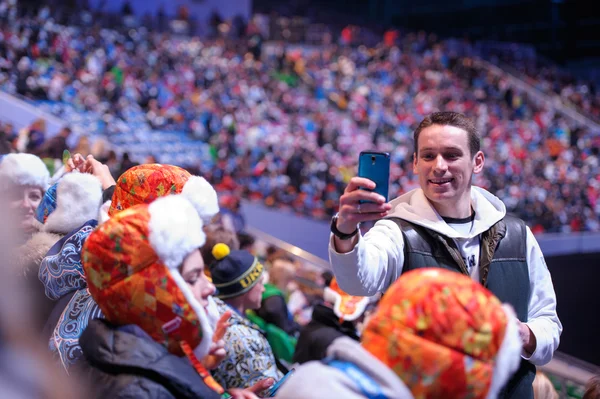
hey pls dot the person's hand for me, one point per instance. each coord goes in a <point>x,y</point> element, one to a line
<point>528,338</point>
<point>217,352</point>
<point>253,391</point>
<point>237,393</point>
<point>99,170</point>
<point>76,163</point>
<point>352,212</point>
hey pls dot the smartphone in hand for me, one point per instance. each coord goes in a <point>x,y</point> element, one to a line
<point>273,390</point>
<point>375,166</point>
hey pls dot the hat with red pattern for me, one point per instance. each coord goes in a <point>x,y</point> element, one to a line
<point>444,335</point>
<point>145,183</point>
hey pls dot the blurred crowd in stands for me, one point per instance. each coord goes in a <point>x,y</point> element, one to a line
<point>285,125</point>
<point>273,123</point>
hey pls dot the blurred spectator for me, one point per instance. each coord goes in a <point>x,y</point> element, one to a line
<point>20,348</point>
<point>215,234</point>
<point>230,215</point>
<point>273,309</point>
<point>23,180</point>
<point>334,103</point>
<point>83,146</point>
<point>306,291</point>
<point>6,138</point>
<point>337,316</point>
<point>592,388</point>
<point>31,138</point>
<point>55,147</point>
<point>246,241</point>
<point>113,164</point>
<point>542,387</point>
<point>126,163</point>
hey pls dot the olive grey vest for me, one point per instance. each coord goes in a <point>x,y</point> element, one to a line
<point>503,270</point>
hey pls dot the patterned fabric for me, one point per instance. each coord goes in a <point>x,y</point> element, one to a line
<point>144,183</point>
<point>48,204</point>
<point>64,341</point>
<point>249,355</point>
<point>439,332</point>
<point>131,284</point>
<point>61,270</point>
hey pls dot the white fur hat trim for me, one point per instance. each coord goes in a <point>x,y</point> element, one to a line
<point>175,229</point>
<point>508,356</point>
<point>203,196</point>
<point>78,197</point>
<point>335,298</point>
<point>103,212</point>
<point>24,170</point>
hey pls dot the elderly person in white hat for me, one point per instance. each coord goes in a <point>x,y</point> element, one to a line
<point>23,180</point>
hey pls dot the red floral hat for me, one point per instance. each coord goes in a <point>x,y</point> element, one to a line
<point>444,335</point>
<point>131,264</point>
<point>145,183</point>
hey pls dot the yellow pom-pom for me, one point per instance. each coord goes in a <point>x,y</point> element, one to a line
<point>220,251</point>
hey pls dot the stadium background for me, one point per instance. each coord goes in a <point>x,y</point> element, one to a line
<point>564,35</point>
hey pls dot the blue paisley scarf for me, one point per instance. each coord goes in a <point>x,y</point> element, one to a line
<point>61,272</point>
<point>48,204</point>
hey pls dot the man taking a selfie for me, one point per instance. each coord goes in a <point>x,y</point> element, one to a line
<point>451,224</point>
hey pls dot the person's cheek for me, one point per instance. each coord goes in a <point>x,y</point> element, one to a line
<point>15,204</point>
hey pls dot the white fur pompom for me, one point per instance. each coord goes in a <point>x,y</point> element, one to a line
<point>203,196</point>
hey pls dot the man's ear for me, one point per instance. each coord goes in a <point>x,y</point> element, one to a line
<point>478,161</point>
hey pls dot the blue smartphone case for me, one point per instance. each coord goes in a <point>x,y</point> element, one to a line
<point>273,390</point>
<point>375,166</point>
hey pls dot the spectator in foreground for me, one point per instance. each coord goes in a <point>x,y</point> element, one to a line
<point>159,327</point>
<point>435,334</point>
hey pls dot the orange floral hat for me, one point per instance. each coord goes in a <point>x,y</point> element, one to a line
<point>445,336</point>
<point>145,183</point>
<point>131,264</point>
<point>345,306</point>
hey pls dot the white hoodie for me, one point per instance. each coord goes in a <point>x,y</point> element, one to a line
<point>378,259</point>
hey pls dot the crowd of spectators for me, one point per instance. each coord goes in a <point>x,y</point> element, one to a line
<point>285,125</point>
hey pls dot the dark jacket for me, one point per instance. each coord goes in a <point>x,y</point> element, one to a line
<point>274,310</point>
<point>319,333</point>
<point>127,363</point>
<point>53,148</point>
<point>504,271</point>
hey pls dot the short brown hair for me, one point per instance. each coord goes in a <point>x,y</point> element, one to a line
<point>592,388</point>
<point>455,119</point>
<point>216,233</point>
